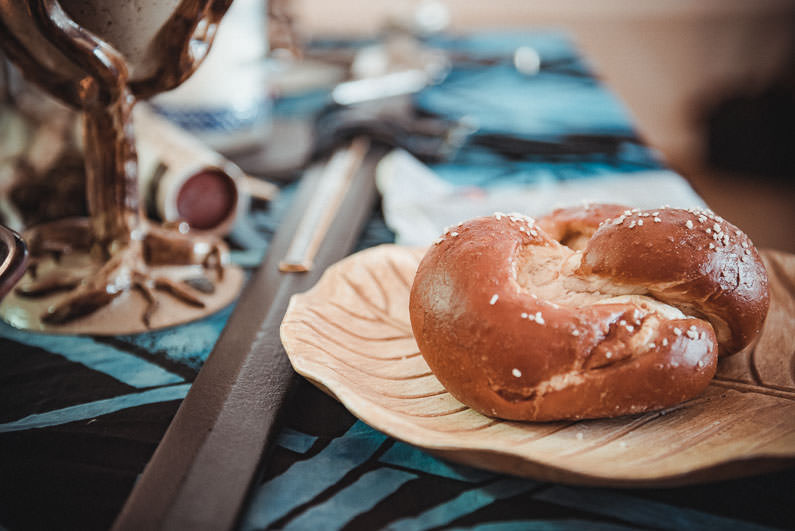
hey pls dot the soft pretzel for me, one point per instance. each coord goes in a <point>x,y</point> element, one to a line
<point>518,326</point>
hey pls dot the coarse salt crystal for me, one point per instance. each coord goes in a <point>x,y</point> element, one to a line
<point>517,373</point>
<point>689,224</point>
<point>494,299</point>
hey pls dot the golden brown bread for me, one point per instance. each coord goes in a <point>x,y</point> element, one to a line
<point>574,226</point>
<point>692,259</point>
<point>518,326</point>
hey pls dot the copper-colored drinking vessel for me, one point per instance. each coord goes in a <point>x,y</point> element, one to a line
<point>100,58</point>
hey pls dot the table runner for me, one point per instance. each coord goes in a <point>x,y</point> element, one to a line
<point>80,416</point>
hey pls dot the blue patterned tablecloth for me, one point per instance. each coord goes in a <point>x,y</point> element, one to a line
<point>81,416</point>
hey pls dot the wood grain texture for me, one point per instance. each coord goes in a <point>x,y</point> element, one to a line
<point>351,336</point>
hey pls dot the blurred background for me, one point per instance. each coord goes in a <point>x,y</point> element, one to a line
<point>710,83</point>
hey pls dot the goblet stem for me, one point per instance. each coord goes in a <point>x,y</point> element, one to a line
<point>112,172</point>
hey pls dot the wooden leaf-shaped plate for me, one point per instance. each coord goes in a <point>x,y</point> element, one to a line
<point>350,335</point>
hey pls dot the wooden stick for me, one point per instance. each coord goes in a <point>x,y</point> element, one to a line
<point>205,464</point>
<point>333,184</point>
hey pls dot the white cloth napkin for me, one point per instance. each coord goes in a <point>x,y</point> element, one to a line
<point>418,205</point>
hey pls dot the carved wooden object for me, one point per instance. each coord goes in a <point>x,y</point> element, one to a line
<point>350,335</point>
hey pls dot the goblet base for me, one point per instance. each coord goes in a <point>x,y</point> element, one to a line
<point>124,314</point>
<point>153,283</point>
